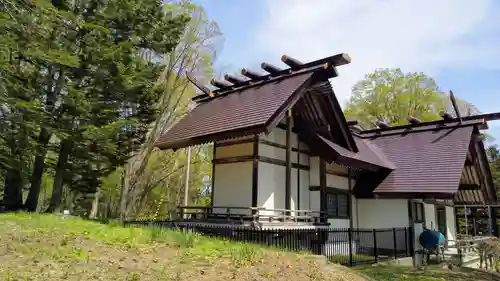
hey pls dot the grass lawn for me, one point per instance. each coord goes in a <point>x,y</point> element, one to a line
<point>431,273</point>
<point>51,247</point>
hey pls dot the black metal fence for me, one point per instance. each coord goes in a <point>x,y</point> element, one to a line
<point>349,247</point>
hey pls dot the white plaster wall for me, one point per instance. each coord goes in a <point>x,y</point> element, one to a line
<point>450,224</point>
<point>314,171</point>
<point>315,201</point>
<point>339,223</point>
<point>382,213</point>
<point>276,153</point>
<point>305,198</point>
<point>430,216</point>
<point>233,186</point>
<point>242,149</point>
<point>278,135</point>
<point>338,182</point>
<point>271,186</point>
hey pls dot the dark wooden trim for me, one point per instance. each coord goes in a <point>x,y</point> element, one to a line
<point>329,189</point>
<point>340,174</point>
<point>430,201</point>
<point>415,219</point>
<point>281,126</point>
<point>465,186</point>
<point>322,189</point>
<point>213,177</point>
<point>253,130</point>
<point>277,145</point>
<point>281,162</point>
<point>298,175</point>
<point>255,172</point>
<point>288,156</point>
<point>234,159</point>
<point>233,142</point>
<point>283,109</point>
<point>349,199</point>
<point>411,223</point>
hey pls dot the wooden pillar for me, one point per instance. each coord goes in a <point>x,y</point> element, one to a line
<point>212,191</point>
<point>474,232</point>
<point>349,198</point>
<point>288,175</point>
<point>322,190</point>
<point>255,173</point>
<point>297,204</point>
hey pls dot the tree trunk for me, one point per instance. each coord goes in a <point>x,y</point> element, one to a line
<point>57,188</point>
<point>95,205</point>
<point>13,190</point>
<point>124,194</point>
<point>31,203</point>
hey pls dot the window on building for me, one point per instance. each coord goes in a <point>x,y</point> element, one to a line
<point>418,212</point>
<point>337,204</point>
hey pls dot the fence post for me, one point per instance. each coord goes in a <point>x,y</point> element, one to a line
<point>349,232</point>
<point>395,242</point>
<point>375,247</point>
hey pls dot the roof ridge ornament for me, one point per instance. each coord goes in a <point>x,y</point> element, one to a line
<point>327,65</point>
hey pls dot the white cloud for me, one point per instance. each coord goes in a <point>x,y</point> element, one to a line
<point>420,35</point>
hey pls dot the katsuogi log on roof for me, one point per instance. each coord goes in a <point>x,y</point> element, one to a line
<point>241,107</point>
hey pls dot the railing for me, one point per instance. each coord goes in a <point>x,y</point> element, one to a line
<point>204,213</point>
<point>473,248</point>
<point>344,246</point>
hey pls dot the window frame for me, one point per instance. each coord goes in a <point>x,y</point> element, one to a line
<point>418,217</point>
<point>335,214</point>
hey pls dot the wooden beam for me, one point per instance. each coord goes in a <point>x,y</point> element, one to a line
<point>255,172</point>
<point>234,159</point>
<point>446,116</point>
<point>288,171</point>
<point>220,83</point>
<point>280,162</point>
<point>253,75</point>
<point>455,106</point>
<point>352,123</point>
<point>322,189</point>
<point>383,125</point>
<point>213,176</point>
<point>271,68</point>
<point>199,85</point>
<point>414,120</point>
<point>235,80</point>
<point>427,126</point>
<point>291,62</point>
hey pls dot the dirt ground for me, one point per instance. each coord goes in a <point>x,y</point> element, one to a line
<point>80,250</point>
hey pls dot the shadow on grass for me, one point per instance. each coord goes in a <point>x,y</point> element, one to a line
<point>431,273</point>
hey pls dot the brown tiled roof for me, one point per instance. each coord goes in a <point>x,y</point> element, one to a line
<point>249,111</point>
<point>368,154</point>
<point>428,161</point>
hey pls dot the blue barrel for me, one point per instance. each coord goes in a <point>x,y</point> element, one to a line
<point>431,239</point>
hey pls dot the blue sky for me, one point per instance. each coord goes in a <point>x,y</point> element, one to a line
<point>455,41</point>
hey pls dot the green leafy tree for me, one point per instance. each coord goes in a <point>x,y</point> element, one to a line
<point>77,79</point>
<point>27,55</point>
<point>110,104</point>
<point>392,96</point>
<point>194,54</point>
